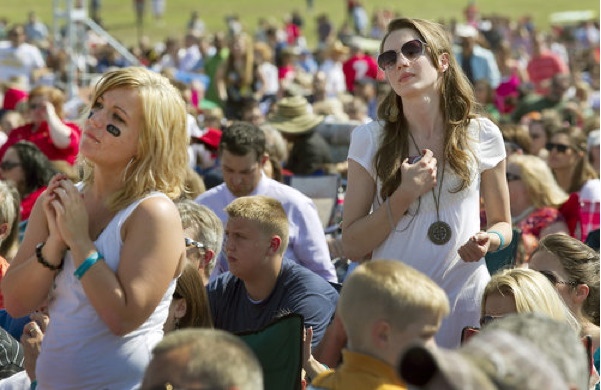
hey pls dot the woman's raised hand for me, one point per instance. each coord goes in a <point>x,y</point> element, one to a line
<point>419,177</point>
<point>70,214</point>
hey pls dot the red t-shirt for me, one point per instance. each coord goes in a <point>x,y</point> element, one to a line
<point>357,68</point>
<point>41,138</point>
<point>28,202</point>
<point>543,68</point>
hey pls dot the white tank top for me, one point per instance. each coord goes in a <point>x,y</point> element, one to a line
<point>79,351</point>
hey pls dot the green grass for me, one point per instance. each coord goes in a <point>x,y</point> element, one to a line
<point>118,15</point>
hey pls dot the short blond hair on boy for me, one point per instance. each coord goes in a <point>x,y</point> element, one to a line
<point>389,290</point>
<point>268,213</point>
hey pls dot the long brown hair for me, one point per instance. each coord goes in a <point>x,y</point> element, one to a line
<point>191,288</point>
<point>457,106</point>
<point>583,171</point>
<point>581,264</point>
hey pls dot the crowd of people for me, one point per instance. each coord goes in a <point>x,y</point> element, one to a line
<point>154,213</point>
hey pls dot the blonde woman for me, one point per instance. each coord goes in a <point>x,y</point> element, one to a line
<point>534,200</point>
<point>108,250</point>
<point>521,290</point>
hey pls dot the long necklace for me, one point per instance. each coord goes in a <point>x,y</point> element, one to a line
<point>439,232</point>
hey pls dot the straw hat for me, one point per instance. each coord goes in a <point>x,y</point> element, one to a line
<point>337,48</point>
<point>293,115</point>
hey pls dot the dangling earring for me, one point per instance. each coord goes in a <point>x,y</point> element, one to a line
<point>176,324</point>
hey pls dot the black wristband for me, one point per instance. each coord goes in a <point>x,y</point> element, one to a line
<point>41,260</point>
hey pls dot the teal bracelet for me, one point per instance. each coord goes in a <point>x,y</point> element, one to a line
<point>87,263</point>
<point>33,385</point>
<point>501,239</point>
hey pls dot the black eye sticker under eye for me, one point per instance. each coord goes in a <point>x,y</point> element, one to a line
<point>90,114</point>
<point>115,132</point>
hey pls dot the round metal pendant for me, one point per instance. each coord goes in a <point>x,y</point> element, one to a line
<point>439,233</point>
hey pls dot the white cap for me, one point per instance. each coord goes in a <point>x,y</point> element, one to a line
<point>466,31</point>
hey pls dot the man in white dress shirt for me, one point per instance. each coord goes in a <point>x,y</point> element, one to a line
<point>242,156</point>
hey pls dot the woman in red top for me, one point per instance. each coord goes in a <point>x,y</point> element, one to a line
<point>534,197</point>
<point>55,137</point>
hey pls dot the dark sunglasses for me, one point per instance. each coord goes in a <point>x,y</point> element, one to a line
<point>488,319</point>
<point>411,50</point>
<point>512,177</point>
<point>191,243</point>
<point>8,165</point>
<point>554,279</point>
<point>561,148</point>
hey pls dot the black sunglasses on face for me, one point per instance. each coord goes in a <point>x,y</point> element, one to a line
<point>8,165</point>
<point>561,148</point>
<point>512,177</point>
<point>411,50</point>
<point>554,279</point>
<point>191,243</point>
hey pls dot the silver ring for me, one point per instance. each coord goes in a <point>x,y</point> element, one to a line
<point>32,331</point>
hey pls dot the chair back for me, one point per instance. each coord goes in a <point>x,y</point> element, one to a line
<point>279,348</point>
<point>323,190</point>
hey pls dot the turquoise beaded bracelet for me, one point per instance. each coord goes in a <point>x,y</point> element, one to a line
<point>87,263</point>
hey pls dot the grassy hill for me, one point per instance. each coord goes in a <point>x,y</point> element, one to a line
<point>119,18</point>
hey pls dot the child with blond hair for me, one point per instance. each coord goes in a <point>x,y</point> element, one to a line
<point>383,306</point>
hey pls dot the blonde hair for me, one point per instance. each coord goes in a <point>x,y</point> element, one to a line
<point>161,161</point>
<point>457,110</point>
<point>541,186</point>
<point>266,212</point>
<point>389,290</point>
<point>265,50</point>
<point>532,292</point>
<point>10,201</point>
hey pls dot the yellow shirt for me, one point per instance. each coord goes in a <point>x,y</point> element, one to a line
<point>359,371</point>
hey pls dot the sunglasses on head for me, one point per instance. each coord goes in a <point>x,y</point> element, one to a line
<point>512,177</point>
<point>411,50</point>
<point>191,243</point>
<point>561,148</point>
<point>8,165</point>
<point>554,279</point>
